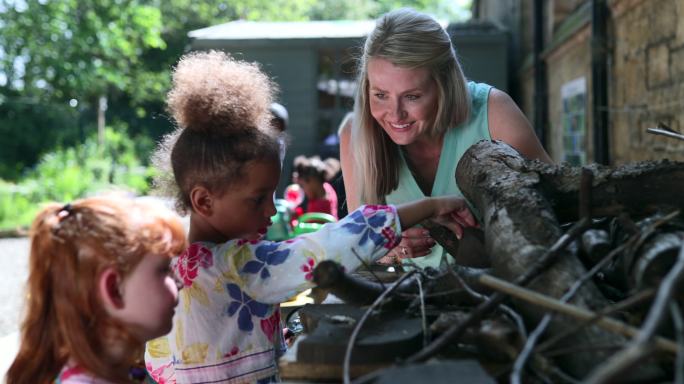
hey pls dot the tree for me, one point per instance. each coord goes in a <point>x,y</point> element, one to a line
<point>58,57</point>
<point>76,49</point>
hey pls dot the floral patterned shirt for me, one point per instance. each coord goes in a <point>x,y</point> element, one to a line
<point>75,374</point>
<point>227,325</point>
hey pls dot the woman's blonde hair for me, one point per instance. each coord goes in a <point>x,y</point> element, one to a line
<point>408,39</point>
<point>65,319</point>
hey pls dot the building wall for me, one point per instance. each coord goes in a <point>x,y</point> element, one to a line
<point>647,82</point>
<point>568,62</point>
<point>645,71</point>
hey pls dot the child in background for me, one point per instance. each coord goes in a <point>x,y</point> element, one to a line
<point>99,287</point>
<point>313,175</point>
<point>279,120</point>
<point>225,161</point>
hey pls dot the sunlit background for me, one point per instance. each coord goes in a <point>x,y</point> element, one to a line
<point>82,85</point>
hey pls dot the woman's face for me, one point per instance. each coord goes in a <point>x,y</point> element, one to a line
<point>403,101</point>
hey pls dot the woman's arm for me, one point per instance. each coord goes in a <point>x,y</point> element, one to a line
<point>347,161</point>
<point>508,124</point>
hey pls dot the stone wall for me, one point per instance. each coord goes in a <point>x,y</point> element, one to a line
<point>645,71</point>
<point>647,78</point>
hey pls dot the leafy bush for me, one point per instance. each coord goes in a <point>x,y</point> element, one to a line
<point>27,130</point>
<point>71,173</point>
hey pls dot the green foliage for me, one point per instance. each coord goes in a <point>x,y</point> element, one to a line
<point>26,125</point>
<point>16,208</point>
<point>71,173</point>
<point>57,52</point>
<point>79,49</point>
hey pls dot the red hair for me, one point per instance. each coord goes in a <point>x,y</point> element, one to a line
<point>65,319</point>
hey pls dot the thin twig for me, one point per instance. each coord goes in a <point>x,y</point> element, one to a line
<point>624,304</point>
<point>426,334</point>
<point>548,258</point>
<point>527,350</point>
<point>636,238</point>
<point>517,319</point>
<point>679,333</point>
<point>581,348</point>
<point>431,295</point>
<point>573,311</point>
<point>368,267</point>
<point>359,324</point>
<point>516,373</point>
<point>643,343</point>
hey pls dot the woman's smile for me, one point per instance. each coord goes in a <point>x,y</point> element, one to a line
<point>402,100</point>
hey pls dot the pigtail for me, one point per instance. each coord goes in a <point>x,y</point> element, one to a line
<point>65,319</point>
<point>39,358</point>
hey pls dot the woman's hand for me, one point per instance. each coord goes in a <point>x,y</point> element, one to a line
<point>453,213</point>
<point>449,211</point>
<point>415,242</point>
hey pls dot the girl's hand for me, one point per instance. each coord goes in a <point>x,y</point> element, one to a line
<point>415,242</point>
<point>449,211</point>
<point>453,213</point>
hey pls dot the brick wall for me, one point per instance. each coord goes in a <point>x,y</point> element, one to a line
<point>645,70</point>
<point>647,78</point>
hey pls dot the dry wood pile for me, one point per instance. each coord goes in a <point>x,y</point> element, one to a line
<point>575,276</point>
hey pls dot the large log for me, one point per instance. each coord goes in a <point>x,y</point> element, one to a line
<point>520,201</point>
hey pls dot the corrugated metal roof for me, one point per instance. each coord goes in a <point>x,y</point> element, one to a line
<point>253,30</point>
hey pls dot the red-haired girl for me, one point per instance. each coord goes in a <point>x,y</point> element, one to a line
<point>99,287</point>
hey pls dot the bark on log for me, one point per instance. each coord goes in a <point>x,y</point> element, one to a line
<point>519,202</point>
<point>638,189</point>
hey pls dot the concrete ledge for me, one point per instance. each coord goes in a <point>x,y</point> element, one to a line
<point>9,346</point>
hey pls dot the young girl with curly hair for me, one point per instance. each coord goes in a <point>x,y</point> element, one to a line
<point>224,162</point>
<point>99,287</point>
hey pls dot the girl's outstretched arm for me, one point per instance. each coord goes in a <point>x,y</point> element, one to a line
<point>272,272</point>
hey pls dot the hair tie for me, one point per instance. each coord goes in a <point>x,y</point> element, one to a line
<point>64,211</point>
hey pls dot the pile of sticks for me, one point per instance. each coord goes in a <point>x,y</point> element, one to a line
<point>581,280</point>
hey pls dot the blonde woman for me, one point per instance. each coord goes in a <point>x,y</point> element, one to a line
<point>415,115</point>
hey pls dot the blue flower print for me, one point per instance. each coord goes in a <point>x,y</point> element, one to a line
<point>266,254</point>
<point>367,225</point>
<point>246,305</point>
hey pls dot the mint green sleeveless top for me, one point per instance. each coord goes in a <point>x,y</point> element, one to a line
<point>456,141</point>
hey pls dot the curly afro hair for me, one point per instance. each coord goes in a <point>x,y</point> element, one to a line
<point>221,109</point>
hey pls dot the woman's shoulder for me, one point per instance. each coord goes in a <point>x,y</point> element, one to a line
<point>475,127</point>
<point>479,92</point>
